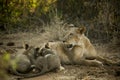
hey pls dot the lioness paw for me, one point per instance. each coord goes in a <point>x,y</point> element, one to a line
<point>99,63</point>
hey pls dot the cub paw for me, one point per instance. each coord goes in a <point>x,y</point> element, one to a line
<point>61,68</point>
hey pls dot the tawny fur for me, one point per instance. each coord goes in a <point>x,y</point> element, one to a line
<point>81,52</point>
<point>76,37</point>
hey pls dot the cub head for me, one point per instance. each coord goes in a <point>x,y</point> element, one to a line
<point>51,45</point>
<point>75,35</point>
<point>31,51</point>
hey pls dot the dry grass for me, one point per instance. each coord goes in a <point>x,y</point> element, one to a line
<point>55,32</point>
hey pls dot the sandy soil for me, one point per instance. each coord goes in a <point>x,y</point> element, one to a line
<point>71,72</point>
<point>75,72</point>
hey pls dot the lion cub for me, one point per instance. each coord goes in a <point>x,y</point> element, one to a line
<point>21,62</point>
<point>51,59</point>
<point>46,61</point>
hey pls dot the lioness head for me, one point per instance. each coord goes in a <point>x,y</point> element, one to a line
<point>75,35</point>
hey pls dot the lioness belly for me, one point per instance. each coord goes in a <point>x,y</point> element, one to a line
<point>64,58</point>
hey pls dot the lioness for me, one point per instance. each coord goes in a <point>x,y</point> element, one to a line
<point>79,41</point>
<point>77,49</point>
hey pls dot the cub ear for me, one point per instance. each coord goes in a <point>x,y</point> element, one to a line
<point>81,30</point>
<point>37,49</point>
<point>47,45</point>
<point>26,46</point>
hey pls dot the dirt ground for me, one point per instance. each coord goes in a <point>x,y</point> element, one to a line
<point>71,72</point>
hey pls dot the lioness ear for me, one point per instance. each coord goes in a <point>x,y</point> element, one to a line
<point>81,30</point>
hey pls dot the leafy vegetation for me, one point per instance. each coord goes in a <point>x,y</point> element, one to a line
<point>99,16</point>
<point>4,59</point>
